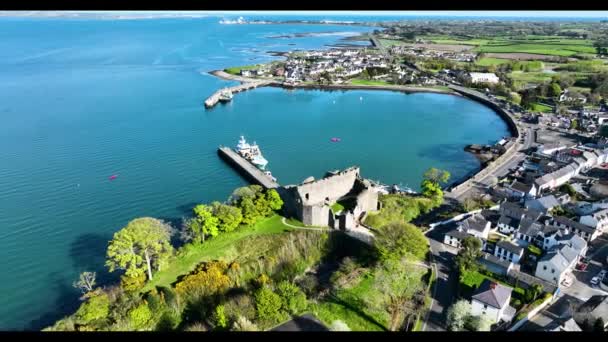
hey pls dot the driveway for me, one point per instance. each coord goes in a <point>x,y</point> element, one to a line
<point>446,282</point>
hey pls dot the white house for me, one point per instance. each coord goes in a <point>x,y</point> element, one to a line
<point>588,233</point>
<point>527,231</point>
<point>567,96</point>
<point>507,225</point>
<point>597,220</point>
<point>476,225</point>
<point>454,238</point>
<point>520,190</point>
<point>557,263</point>
<point>483,77</point>
<point>492,299</point>
<point>508,251</point>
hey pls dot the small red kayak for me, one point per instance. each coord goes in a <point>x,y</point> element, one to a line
<point>113,177</point>
<point>335,139</point>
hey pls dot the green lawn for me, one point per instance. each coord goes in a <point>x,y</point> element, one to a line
<point>472,280</point>
<point>237,70</point>
<point>532,77</point>
<point>540,48</point>
<point>221,246</point>
<point>537,107</point>
<point>358,81</point>
<point>348,306</point>
<point>488,61</point>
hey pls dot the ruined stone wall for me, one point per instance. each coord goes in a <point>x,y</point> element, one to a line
<point>315,215</point>
<point>331,188</point>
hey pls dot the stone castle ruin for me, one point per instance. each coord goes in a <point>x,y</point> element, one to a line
<point>314,201</point>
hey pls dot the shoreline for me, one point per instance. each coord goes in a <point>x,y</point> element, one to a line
<point>454,91</point>
<point>279,84</point>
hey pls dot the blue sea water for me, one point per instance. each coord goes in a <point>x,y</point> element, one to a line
<point>81,100</point>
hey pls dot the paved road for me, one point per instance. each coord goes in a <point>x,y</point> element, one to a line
<point>446,281</point>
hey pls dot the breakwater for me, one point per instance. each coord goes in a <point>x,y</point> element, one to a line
<point>245,168</point>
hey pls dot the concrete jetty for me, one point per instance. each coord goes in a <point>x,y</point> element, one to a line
<point>215,98</point>
<point>246,168</point>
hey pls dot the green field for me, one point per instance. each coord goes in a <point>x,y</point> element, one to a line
<point>358,81</point>
<point>488,61</point>
<point>222,246</point>
<point>544,45</point>
<point>237,70</point>
<point>532,77</point>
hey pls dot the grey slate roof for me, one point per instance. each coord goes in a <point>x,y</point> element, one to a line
<point>560,256</point>
<point>496,297</point>
<point>457,234</point>
<point>529,227</point>
<point>495,260</point>
<point>509,246</point>
<point>475,222</point>
<point>509,221</point>
<point>546,202</point>
<point>521,187</point>
<point>573,224</point>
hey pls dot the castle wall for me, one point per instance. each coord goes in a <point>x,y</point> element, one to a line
<point>332,188</point>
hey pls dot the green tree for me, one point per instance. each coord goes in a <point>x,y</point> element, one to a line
<point>274,200</point>
<point>262,206</point>
<point>140,317</point>
<point>397,240</point>
<point>532,293</point>
<point>431,183</point>
<point>470,250</point>
<point>229,216</point>
<point>555,90</point>
<point>94,309</point>
<point>250,211</point>
<point>144,242</point>
<point>514,97</point>
<point>397,281</point>
<point>268,304</point>
<point>204,223</point>
<point>458,314</point>
<point>219,317</point>
<point>293,299</point>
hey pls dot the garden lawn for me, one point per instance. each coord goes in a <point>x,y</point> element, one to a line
<point>472,280</point>
<point>214,248</point>
<point>537,107</point>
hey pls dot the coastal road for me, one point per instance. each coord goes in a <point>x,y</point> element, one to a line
<point>446,280</point>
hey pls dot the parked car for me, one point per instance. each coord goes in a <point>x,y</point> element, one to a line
<point>581,266</point>
<point>595,281</point>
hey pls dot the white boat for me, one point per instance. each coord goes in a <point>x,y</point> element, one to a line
<point>225,96</point>
<point>251,152</point>
<point>269,174</point>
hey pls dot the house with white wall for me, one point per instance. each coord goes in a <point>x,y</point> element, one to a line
<point>492,299</point>
<point>508,251</point>
<point>557,263</point>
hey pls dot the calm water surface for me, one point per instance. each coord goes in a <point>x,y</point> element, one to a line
<point>83,100</point>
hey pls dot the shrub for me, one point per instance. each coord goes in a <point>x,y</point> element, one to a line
<point>268,304</point>
<point>240,305</point>
<point>198,326</point>
<point>293,299</point>
<point>141,317</point>
<point>219,318</point>
<point>243,324</point>
<point>169,320</point>
<point>94,309</point>
<point>132,284</point>
<point>209,278</point>
<point>309,284</point>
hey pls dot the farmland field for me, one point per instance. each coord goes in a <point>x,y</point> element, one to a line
<point>488,61</point>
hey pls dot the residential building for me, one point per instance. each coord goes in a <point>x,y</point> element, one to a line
<point>527,231</point>
<point>454,238</point>
<point>508,251</point>
<point>482,77</point>
<point>588,233</point>
<point>543,204</point>
<point>597,220</point>
<point>557,263</point>
<point>493,299</point>
<point>519,190</point>
<point>476,225</point>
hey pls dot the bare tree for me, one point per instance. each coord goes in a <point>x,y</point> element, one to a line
<point>86,282</point>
